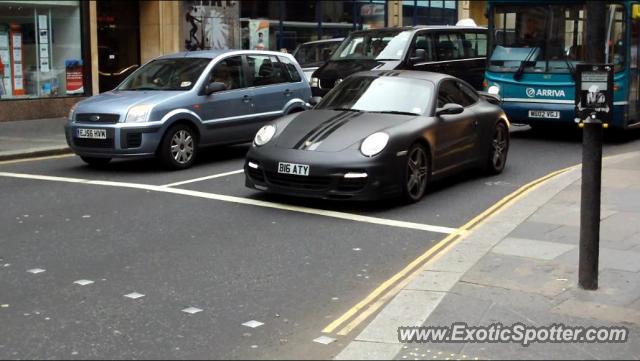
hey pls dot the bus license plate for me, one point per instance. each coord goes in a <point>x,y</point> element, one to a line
<point>294,169</point>
<point>545,114</point>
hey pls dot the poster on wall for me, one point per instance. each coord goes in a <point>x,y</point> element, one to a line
<point>211,25</point>
<point>16,60</point>
<point>74,76</point>
<point>43,30</point>
<point>259,35</point>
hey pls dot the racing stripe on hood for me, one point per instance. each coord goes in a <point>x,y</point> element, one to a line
<point>329,130</point>
<point>315,132</point>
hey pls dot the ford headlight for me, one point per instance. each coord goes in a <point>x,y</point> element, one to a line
<point>374,144</point>
<point>314,82</point>
<point>494,90</point>
<point>138,114</point>
<point>264,135</point>
<point>72,111</point>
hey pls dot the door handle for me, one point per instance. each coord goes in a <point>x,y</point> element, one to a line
<point>246,99</point>
<point>287,93</point>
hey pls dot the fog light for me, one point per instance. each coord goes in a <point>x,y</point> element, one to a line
<point>253,165</point>
<point>352,175</point>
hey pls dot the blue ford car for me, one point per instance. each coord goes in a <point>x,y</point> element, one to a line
<point>176,104</point>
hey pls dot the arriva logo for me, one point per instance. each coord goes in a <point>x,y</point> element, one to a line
<point>544,93</point>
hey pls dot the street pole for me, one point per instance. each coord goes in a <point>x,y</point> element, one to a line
<point>596,17</point>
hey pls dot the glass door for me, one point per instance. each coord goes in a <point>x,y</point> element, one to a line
<point>118,41</point>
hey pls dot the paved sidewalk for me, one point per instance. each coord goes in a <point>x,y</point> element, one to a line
<point>521,266</point>
<point>29,138</point>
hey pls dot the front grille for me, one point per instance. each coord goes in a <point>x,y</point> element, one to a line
<point>298,182</point>
<point>256,174</point>
<point>134,140</point>
<point>327,83</point>
<point>98,118</point>
<point>93,143</point>
<point>351,184</point>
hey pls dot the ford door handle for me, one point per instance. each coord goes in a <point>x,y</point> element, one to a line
<point>287,93</point>
<point>246,99</point>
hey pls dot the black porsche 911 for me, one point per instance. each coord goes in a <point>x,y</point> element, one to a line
<point>380,134</point>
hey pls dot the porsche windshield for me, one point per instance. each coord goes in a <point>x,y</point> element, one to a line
<point>166,74</point>
<point>380,94</point>
<point>374,45</point>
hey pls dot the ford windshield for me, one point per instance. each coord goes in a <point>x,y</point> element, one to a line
<point>166,74</point>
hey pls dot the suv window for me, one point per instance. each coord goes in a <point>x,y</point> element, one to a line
<point>423,41</point>
<point>474,45</point>
<point>290,68</point>
<point>448,46</point>
<point>266,70</point>
<point>452,92</point>
<point>230,72</point>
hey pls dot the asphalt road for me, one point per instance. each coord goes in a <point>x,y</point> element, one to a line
<point>233,258</point>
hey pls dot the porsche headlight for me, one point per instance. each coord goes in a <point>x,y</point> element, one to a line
<point>264,135</point>
<point>374,144</point>
<point>138,114</point>
<point>314,82</point>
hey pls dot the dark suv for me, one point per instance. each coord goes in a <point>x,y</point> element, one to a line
<point>460,51</point>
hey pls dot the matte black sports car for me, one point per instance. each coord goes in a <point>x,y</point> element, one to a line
<point>380,134</point>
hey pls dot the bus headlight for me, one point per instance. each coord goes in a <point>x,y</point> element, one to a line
<point>494,90</point>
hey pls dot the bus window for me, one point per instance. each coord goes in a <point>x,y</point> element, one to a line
<point>541,38</point>
<point>616,44</point>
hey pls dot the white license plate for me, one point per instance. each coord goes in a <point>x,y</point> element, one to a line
<point>92,133</point>
<point>546,114</point>
<point>292,168</point>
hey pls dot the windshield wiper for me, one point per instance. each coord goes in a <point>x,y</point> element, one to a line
<point>395,112</point>
<point>518,74</point>
<point>572,70</point>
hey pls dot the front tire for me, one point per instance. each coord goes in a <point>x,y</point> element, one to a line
<point>95,161</point>
<point>497,157</point>
<point>178,147</point>
<point>416,174</point>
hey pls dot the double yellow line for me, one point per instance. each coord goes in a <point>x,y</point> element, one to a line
<point>387,290</point>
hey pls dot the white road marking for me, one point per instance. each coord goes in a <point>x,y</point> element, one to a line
<point>253,324</point>
<point>83,282</point>
<point>204,178</point>
<point>134,295</point>
<point>240,200</point>
<point>35,271</point>
<point>192,310</point>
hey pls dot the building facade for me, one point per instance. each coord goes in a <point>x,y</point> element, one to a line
<point>54,53</point>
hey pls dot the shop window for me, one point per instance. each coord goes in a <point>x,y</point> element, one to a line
<point>40,49</point>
